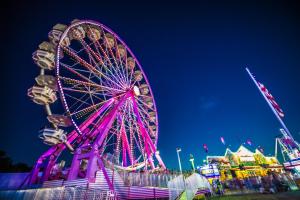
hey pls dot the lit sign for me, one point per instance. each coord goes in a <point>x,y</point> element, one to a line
<point>210,171</point>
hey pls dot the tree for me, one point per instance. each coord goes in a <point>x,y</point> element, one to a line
<point>6,164</point>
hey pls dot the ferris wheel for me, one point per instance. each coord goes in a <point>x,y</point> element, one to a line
<point>104,92</point>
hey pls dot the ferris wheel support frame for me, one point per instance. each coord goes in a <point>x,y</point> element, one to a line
<point>94,162</point>
<point>54,151</point>
<point>93,155</point>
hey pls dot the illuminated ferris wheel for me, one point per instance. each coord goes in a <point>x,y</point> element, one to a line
<point>105,95</point>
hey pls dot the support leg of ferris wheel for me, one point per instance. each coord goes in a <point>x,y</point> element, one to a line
<point>57,149</point>
<point>111,117</point>
<point>73,172</point>
<point>102,167</point>
<point>124,151</point>
<point>124,156</point>
<point>125,143</point>
<point>125,146</point>
<point>48,167</point>
<point>92,164</point>
<point>101,132</point>
<point>161,163</point>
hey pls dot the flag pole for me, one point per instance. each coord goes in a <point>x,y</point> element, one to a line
<point>272,108</point>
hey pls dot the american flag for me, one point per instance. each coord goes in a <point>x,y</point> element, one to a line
<point>271,99</point>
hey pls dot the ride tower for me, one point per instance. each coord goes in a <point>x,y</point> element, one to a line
<point>290,151</point>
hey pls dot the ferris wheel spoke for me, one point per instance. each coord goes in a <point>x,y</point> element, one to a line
<point>88,84</point>
<point>144,104</point>
<point>139,140</point>
<point>97,55</point>
<point>146,123</point>
<point>125,129</point>
<point>116,63</point>
<point>98,45</point>
<point>91,59</point>
<point>128,129</point>
<point>110,136</point>
<point>78,100</point>
<point>118,145</point>
<point>93,55</point>
<point>105,66</point>
<point>122,66</point>
<point>90,53</point>
<point>80,105</point>
<point>145,134</point>
<point>80,91</point>
<point>91,107</point>
<point>144,113</point>
<point>77,82</point>
<point>87,65</point>
<point>126,69</point>
<point>119,59</point>
<point>116,75</point>
<point>81,100</point>
<point>77,73</point>
<point>131,78</point>
<point>147,126</point>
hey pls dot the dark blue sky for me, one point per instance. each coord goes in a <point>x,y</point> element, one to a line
<point>194,56</point>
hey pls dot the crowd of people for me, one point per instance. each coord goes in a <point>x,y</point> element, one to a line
<point>271,183</point>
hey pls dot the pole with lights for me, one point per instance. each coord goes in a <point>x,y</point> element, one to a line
<point>178,150</point>
<point>192,162</point>
<point>179,162</point>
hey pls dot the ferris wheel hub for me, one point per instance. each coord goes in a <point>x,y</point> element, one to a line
<point>136,90</point>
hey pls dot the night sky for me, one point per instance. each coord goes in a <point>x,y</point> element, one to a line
<point>194,56</point>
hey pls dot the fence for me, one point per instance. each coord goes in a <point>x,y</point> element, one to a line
<point>146,179</point>
<point>61,193</point>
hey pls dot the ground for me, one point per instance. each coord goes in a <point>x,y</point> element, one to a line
<point>294,195</point>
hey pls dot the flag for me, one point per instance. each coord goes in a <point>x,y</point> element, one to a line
<point>271,99</point>
<point>222,140</point>
<point>249,142</point>
<point>205,148</point>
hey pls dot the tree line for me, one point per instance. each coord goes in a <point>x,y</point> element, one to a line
<point>7,165</point>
